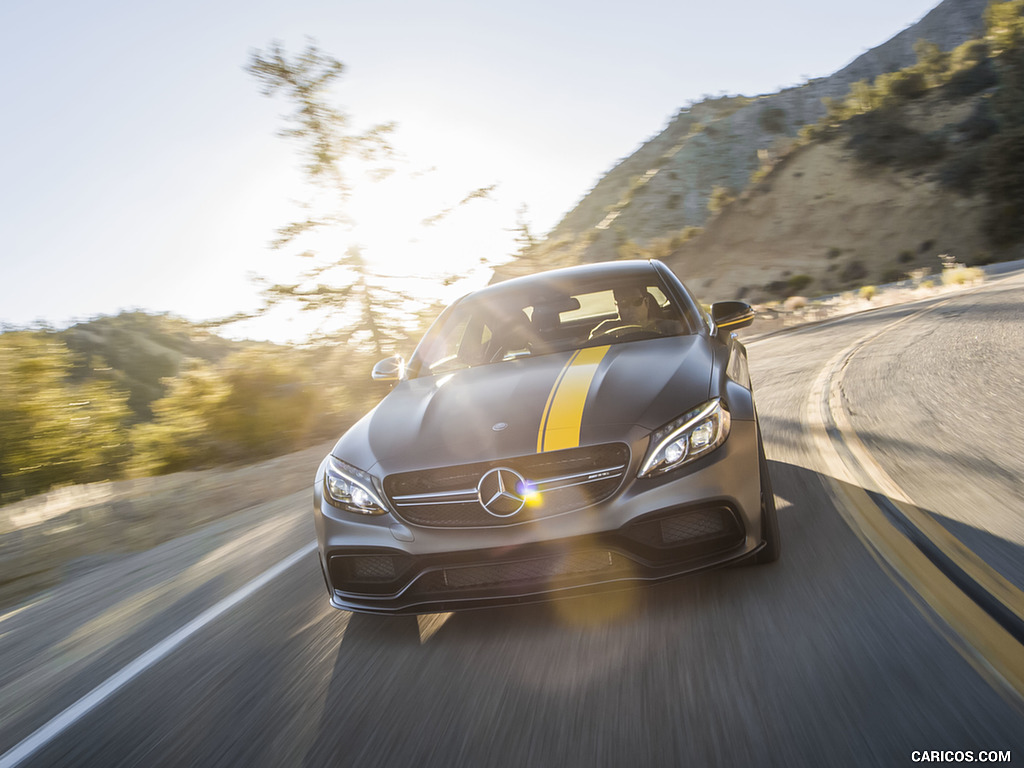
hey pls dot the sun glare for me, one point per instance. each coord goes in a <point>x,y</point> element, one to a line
<point>428,231</point>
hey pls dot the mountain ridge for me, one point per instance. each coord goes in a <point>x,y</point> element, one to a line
<point>662,190</point>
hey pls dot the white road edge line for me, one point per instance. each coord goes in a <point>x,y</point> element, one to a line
<point>99,694</point>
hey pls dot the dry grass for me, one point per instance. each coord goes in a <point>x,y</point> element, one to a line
<point>774,316</point>
<point>42,537</point>
<point>823,211</point>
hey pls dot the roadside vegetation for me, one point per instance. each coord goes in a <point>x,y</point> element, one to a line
<point>69,416</point>
<point>138,394</point>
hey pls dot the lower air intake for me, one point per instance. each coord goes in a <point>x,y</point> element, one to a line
<point>543,571</point>
<point>693,526</point>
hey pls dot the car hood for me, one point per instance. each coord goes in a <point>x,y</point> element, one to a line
<point>530,405</point>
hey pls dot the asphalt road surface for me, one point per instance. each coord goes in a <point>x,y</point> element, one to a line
<point>891,626</point>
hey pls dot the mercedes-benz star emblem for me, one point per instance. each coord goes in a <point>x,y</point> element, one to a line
<point>500,492</point>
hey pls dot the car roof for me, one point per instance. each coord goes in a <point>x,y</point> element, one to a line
<point>568,277</point>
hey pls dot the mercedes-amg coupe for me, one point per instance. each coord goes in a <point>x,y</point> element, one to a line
<point>582,429</point>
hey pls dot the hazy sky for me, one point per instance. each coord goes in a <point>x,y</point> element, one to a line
<point>140,166</point>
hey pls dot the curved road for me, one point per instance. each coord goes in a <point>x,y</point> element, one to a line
<point>859,647</point>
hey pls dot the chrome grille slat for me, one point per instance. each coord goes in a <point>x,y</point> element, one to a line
<point>454,497</point>
<point>566,480</point>
<point>562,482</point>
<point>470,496</point>
<point>562,485</point>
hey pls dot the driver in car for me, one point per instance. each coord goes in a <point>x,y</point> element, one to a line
<point>636,308</point>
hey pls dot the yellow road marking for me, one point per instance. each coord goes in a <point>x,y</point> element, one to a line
<point>986,645</point>
<point>980,639</point>
<point>563,413</point>
<point>959,553</point>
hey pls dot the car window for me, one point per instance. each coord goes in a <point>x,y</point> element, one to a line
<point>497,326</point>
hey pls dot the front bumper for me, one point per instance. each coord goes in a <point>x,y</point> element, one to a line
<point>702,516</point>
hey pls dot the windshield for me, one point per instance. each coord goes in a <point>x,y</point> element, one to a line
<point>500,326</point>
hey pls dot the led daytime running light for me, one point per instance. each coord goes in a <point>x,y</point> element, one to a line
<point>351,489</point>
<point>713,413</point>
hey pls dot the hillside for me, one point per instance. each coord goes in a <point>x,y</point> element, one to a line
<point>138,350</point>
<point>823,212</point>
<point>716,143</point>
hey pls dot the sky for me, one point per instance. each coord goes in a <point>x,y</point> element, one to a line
<point>141,166</point>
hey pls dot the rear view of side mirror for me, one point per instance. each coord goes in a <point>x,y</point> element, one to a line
<point>389,369</point>
<point>732,315</point>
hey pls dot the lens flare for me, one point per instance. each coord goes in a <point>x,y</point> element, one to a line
<point>530,494</point>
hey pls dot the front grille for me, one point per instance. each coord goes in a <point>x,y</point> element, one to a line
<point>563,480</point>
<point>543,572</point>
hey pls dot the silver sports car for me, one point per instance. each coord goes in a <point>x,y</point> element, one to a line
<point>581,429</point>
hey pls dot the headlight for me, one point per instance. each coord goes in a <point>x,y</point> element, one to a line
<point>692,435</point>
<point>351,489</point>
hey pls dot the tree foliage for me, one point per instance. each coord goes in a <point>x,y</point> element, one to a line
<point>54,430</point>
<point>720,198</point>
<point>361,305</point>
<point>1003,160</point>
<point>258,403</point>
<point>323,132</point>
<point>1004,26</point>
<point>370,307</point>
<point>140,351</point>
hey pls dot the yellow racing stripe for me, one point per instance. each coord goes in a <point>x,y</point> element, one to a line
<point>563,413</point>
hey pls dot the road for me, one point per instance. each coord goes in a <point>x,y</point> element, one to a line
<point>859,647</point>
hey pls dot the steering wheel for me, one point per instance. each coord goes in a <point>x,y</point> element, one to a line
<point>621,330</point>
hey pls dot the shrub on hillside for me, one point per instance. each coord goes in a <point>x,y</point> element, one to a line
<point>961,275</point>
<point>967,82</point>
<point>853,272</point>
<point>932,62</point>
<point>1003,165</point>
<point>798,282</point>
<point>979,125</point>
<point>881,138</point>
<point>685,235</point>
<point>892,276</point>
<point>969,54</point>
<point>773,119</point>
<point>962,172</point>
<point>904,85</point>
<point>720,198</point>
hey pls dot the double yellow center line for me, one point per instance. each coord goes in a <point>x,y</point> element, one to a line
<point>984,610</point>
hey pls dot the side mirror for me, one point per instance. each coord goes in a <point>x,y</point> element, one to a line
<point>732,315</point>
<point>389,369</point>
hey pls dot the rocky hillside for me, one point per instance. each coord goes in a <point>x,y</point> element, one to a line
<point>666,184</point>
<point>827,216</point>
<point>825,221</point>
